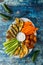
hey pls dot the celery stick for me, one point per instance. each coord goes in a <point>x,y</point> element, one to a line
<point>9,42</point>
<point>12,48</point>
<point>9,45</point>
<point>12,52</point>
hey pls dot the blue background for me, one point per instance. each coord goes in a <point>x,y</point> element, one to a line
<point>32,9</point>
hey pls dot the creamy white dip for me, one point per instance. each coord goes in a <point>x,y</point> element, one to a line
<point>21,36</point>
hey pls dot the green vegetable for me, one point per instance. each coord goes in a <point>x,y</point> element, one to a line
<point>35,54</point>
<point>5,16</point>
<point>7,9</point>
<point>11,48</point>
<point>12,52</point>
<point>9,42</point>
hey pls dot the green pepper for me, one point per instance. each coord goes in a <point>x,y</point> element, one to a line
<point>35,54</point>
<point>7,9</point>
<point>5,16</point>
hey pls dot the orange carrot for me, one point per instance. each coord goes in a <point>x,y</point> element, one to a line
<point>28,28</point>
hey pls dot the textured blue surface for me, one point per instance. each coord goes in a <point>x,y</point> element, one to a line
<point>32,9</point>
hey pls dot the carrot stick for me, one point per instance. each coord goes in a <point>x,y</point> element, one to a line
<point>28,28</point>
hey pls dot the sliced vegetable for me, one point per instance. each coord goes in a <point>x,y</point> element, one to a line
<point>11,46</point>
<point>5,16</point>
<point>19,23</point>
<point>17,20</point>
<point>23,51</point>
<point>28,29</point>
<point>35,54</point>
<point>21,55</point>
<point>9,37</point>
<point>12,52</point>
<point>9,49</point>
<point>7,9</point>
<point>17,51</point>
<point>9,42</point>
<point>11,33</point>
<point>15,27</point>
